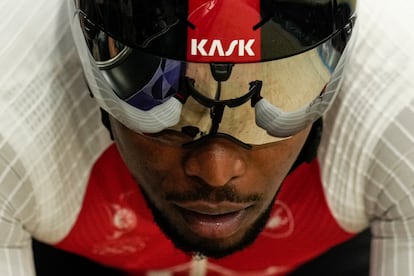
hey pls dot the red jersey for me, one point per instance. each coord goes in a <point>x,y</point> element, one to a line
<point>116,228</point>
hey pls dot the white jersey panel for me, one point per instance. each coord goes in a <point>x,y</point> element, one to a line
<point>367,151</point>
<point>50,133</point>
<point>50,129</point>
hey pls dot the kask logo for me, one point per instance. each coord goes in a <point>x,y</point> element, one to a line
<point>215,47</point>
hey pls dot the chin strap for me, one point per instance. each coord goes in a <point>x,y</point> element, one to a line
<point>310,148</point>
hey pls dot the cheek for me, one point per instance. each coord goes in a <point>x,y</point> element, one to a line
<point>273,163</point>
<point>147,163</point>
<point>270,172</point>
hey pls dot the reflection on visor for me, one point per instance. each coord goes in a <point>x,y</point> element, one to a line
<point>255,103</point>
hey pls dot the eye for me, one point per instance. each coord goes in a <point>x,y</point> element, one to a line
<point>191,131</point>
<point>170,136</point>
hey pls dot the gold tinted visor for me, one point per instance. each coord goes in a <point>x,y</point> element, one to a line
<point>254,103</point>
<point>287,86</point>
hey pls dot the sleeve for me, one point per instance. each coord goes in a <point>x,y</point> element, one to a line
<point>390,198</point>
<point>16,206</point>
<point>389,175</point>
<point>367,152</point>
<point>37,66</point>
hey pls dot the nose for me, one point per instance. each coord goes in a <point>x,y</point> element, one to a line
<point>216,162</point>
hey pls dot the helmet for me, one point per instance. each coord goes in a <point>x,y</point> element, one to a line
<point>252,70</point>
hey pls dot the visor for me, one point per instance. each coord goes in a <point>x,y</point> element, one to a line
<point>174,84</point>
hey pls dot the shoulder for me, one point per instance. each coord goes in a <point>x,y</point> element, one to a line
<point>367,148</point>
<point>50,130</point>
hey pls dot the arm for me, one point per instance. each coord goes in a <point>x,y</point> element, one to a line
<point>15,243</point>
<point>390,200</point>
<point>50,133</point>
<point>368,149</point>
<point>389,191</point>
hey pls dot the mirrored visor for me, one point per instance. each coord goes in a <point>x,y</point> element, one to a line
<point>178,101</point>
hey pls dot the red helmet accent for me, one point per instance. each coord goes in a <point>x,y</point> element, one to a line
<point>223,30</point>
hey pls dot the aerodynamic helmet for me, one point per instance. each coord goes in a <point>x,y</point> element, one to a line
<point>253,70</point>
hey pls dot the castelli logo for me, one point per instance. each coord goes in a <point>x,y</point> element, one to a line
<point>215,47</point>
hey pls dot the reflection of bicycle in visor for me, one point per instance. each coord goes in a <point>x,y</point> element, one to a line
<point>251,70</point>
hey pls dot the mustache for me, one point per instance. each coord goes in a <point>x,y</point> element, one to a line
<point>224,193</point>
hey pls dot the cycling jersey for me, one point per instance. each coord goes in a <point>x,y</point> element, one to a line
<point>63,182</point>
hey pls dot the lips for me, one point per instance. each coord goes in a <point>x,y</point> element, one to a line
<point>213,221</point>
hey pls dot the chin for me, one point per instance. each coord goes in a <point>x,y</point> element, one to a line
<point>206,247</point>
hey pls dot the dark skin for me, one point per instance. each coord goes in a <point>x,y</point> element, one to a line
<point>213,197</point>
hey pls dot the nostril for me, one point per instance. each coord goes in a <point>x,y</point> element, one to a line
<point>239,167</point>
<point>191,167</point>
<point>216,166</point>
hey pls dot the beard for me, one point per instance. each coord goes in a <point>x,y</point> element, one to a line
<point>207,248</point>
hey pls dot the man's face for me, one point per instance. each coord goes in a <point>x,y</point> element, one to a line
<point>212,197</point>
